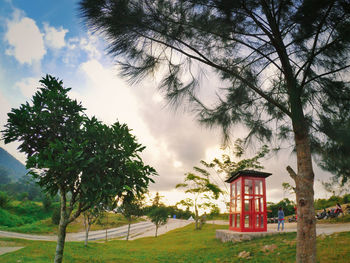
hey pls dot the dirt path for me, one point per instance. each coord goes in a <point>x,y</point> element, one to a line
<point>4,250</point>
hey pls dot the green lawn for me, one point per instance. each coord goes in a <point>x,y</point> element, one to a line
<point>180,245</point>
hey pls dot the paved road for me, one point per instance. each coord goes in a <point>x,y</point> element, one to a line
<point>137,230</point>
<point>144,229</point>
<point>326,229</point>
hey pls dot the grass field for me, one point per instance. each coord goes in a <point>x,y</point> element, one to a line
<point>180,245</point>
<point>46,226</point>
<point>30,217</point>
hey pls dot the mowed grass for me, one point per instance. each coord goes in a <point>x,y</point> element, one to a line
<point>180,245</point>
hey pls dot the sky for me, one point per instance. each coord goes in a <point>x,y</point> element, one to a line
<point>40,37</point>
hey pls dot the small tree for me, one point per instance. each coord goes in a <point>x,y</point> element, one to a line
<point>158,216</point>
<point>203,192</point>
<point>131,209</point>
<point>225,166</point>
<point>83,160</point>
<point>90,217</point>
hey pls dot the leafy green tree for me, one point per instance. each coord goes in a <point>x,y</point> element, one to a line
<point>83,160</point>
<point>202,190</point>
<point>159,216</point>
<point>286,204</point>
<point>282,64</point>
<point>131,209</point>
<point>226,166</point>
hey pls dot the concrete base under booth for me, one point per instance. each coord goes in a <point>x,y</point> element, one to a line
<point>226,235</point>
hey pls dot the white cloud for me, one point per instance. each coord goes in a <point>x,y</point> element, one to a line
<point>72,43</point>
<point>25,40</point>
<point>90,46</point>
<point>54,38</point>
<point>28,86</point>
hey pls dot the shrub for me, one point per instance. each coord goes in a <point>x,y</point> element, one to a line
<point>346,199</point>
<point>4,199</point>
<point>56,215</point>
<point>9,220</point>
<point>47,202</point>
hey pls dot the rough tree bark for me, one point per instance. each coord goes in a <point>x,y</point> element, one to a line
<point>304,182</point>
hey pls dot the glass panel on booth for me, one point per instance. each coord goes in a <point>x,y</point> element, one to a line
<point>261,221</point>
<point>238,222</point>
<point>238,205</point>
<point>246,221</point>
<point>233,205</point>
<point>259,205</point>
<point>258,187</point>
<point>248,187</point>
<point>238,189</point>
<point>247,205</point>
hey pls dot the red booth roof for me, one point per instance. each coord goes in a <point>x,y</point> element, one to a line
<point>252,173</point>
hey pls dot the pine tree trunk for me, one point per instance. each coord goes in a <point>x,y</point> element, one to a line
<point>60,241</point>
<point>127,236</point>
<point>304,181</point>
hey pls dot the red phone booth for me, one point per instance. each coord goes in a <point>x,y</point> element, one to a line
<point>248,201</point>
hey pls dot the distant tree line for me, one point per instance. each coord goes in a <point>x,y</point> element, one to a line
<point>321,203</point>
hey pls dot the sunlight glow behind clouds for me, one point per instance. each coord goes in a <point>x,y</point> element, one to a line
<point>174,141</point>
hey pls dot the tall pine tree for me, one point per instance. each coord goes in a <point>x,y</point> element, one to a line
<point>283,62</point>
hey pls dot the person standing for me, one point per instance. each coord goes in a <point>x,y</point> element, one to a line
<point>280,218</point>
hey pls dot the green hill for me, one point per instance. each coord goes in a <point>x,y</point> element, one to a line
<point>15,168</point>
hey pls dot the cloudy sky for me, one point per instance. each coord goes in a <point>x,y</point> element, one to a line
<point>41,37</point>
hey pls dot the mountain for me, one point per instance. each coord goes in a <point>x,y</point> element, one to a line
<point>12,165</point>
